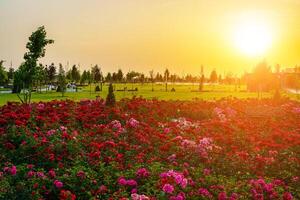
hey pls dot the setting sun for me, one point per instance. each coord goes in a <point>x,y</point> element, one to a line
<point>253,36</point>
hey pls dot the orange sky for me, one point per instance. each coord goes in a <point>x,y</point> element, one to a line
<point>150,34</point>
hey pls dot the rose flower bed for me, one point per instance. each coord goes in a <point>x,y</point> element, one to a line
<point>149,149</point>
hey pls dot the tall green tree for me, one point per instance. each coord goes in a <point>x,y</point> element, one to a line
<point>11,73</point>
<point>61,80</point>
<point>39,77</point>
<point>166,77</point>
<point>75,74</point>
<point>26,72</point>
<point>3,74</point>
<point>84,77</point>
<point>108,77</point>
<point>96,74</point>
<point>151,73</point>
<point>51,72</point>
<point>119,75</point>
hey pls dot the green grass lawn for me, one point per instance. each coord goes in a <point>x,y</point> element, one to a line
<point>182,92</point>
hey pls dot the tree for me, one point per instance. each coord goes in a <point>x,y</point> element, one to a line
<point>142,78</point>
<point>69,75</point>
<point>261,75</point>
<point>75,74</point>
<point>158,77</point>
<point>96,74</point>
<point>201,83</point>
<point>39,76</point>
<point>61,80</point>
<point>119,75</point>
<point>11,73</point>
<point>84,77</point>
<point>36,49</point>
<point>89,77</point>
<point>108,77</point>
<point>110,99</point>
<point>132,75</point>
<point>166,77</point>
<point>114,77</point>
<point>51,72</point>
<point>213,76</point>
<point>3,74</point>
<point>151,77</point>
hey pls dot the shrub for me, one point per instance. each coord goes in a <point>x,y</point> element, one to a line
<point>97,89</point>
<point>110,99</point>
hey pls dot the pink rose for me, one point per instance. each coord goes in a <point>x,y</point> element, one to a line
<point>58,184</point>
<point>167,188</point>
<point>13,170</point>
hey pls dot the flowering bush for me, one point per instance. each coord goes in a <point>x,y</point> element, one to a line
<point>148,149</point>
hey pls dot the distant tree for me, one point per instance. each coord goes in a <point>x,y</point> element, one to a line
<point>51,72</point>
<point>39,77</point>
<point>36,49</point>
<point>119,75</point>
<point>89,76</point>
<point>75,74</point>
<point>229,79</point>
<point>213,76</point>
<point>166,77</point>
<point>3,74</point>
<point>142,78</point>
<point>108,77</point>
<point>61,80</point>
<point>220,78</point>
<point>84,77</point>
<point>114,77</point>
<point>110,99</point>
<point>18,83</point>
<point>261,75</point>
<point>96,74</point>
<point>158,77</point>
<point>10,73</point>
<point>132,75</point>
<point>201,83</point>
<point>69,75</point>
<point>151,73</point>
<point>172,78</point>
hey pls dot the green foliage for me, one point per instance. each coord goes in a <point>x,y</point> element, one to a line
<point>10,73</point>
<point>110,99</point>
<point>97,88</point>
<point>85,77</point>
<point>27,71</point>
<point>75,74</point>
<point>61,80</point>
<point>51,72</point>
<point>39,76</point>
<point>96,74</point>
<point>3,74</point>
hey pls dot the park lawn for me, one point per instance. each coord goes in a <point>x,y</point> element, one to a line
<point>182,92</point>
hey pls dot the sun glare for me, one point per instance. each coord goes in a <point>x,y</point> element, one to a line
<point>253,36</point>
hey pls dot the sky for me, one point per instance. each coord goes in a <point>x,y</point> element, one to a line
<point>141,35</point>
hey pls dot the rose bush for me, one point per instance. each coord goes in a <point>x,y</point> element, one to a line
<point>150,149</point>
